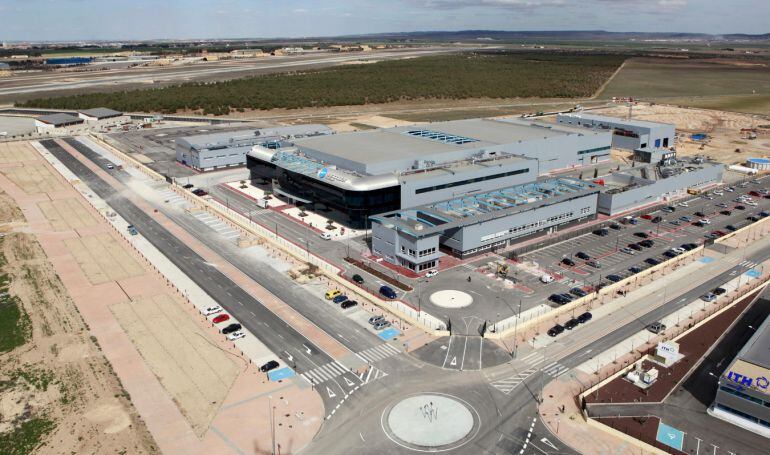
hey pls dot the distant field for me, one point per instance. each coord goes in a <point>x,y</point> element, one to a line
<point>461,76</point>
<point>648,78</point>
<point>751,104</point>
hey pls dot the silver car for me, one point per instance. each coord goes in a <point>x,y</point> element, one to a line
<point>379,325</point>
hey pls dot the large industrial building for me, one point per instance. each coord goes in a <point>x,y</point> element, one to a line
<point>361,174</point>
<point>627,134</point>
<point>208,152</point>
<point>743,394</point>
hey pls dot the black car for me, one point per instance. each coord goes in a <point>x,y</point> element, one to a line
<point>647,243</point>
<point>601,232</point>
<point>582,256</point>
<point>652,261</point>
<point>740,207</point>
<point>348,304</point>
<point>199,192</point>
<point>687,246</point>
<point>731,228</point>
<point>669,254</point>
<point>753,218</point>
<point>358,279</point>
<point>578,292</point>
<point>634,269</point>
<point>234,327</point>
<point>188,186</point>
<point>657,219</point>
<point>635,246</point>
<point>555,330</point>
<point>719,291</point>
<point>726,212</point>
<point>615,226</point>
<point>698,224</point>
<point>614,278</point>
<point>567,297</point>
<point>642,235</point>
<point>271,365</point>
<point>691,245</point>
<point>568,262</point>
<point>700,214</point>
<point>585,317</point>
<point>557,298</point>
<point>571,324</point>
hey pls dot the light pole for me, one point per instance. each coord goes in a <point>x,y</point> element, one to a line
<point>515,329</point>
<point>271,410</point>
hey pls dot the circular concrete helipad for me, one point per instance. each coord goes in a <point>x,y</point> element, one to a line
<point>450,298</point>
<point>431,421</point>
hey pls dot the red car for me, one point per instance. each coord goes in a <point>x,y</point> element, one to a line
<point>647,217</point>
<point>221,318</point>
<point>754,193</point>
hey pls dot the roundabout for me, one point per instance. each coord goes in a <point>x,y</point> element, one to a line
<point>451,298</point>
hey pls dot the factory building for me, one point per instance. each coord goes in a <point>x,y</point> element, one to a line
<point>743,393</point>
<point>50,122</point>
<point>640,186</point>
<point>102,116</point>
<point>209,152</point>
<point>478,222</point>
<point>361,174</point>
<point>627,134</point>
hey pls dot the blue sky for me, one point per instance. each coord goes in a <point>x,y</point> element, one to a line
<point>179,19</point>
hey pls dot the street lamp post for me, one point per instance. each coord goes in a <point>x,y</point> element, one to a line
<point>515,330</point>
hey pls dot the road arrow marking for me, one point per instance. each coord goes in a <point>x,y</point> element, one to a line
<point>348,381</point>
<point>549,443</point>
<point>331,394</point>
<point>454,361</point>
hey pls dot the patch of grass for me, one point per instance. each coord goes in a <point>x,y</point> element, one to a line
<point>26,437</point>
<point>751,104</point>
<point>15,326</point>
<point>362,126</point>
<point>457,76</point>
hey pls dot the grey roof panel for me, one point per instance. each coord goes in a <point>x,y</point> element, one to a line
<point>757,349</point>
<point>101,112</point>
<point>59,119</point>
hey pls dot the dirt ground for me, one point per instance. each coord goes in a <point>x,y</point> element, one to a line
<point>59,380</point>
<point>32,178</point>
<point>66,214</point>
<point>195,371</point>
<point>723,130</point>
<point>103,259</point>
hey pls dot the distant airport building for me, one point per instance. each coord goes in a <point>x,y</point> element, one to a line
<point>102,116</point>
<point>626,133</point>
<point>743,393</point>
<point>365,173</point>
<point>209,152</point>
<point>50,122</point>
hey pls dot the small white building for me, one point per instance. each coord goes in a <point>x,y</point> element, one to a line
<point>102,116</point>
<point>50,122</point>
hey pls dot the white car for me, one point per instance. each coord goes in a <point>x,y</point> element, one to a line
<point>546,278</point>
<point>212,310</point>
<point>705,221</point>
<point>431,273</point>
<point>236,335</point>
<point>678,250</point>
<point>751,203</point>
<point>683,204</point>
<point>718,193</point>
<point>729,189</point>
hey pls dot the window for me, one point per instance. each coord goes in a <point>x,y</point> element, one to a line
<point>465,182</point>
<point>427,252</point>
<point>441,137</point>
<point>598,149</point>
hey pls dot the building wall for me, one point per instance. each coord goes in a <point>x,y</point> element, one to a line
<point>611,204</point>
<point>745,402</point>
<point>650,137</point>
<point>418,191</point>
<point>394,246</point>
<point>207,160</point>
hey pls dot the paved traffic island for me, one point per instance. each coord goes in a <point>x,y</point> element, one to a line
<point>451,298</point>
<point>430,422</point>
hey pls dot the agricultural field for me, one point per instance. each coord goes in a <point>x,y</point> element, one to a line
<point>450,77</point>
<point>721,84</point>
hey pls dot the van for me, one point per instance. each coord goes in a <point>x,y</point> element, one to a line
<point>387,292</point>
<point>326,235</point>
<point>546,278</point>
<point>332,294</point>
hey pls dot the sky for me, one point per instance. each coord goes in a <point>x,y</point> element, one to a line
<point>65,20</point>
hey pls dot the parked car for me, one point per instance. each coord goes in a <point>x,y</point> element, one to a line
<point>601,232</point>
<point>731,228</point>
<point>332,294</point>
<point>557,298</point>
<point>568,262</point>
<point>616,226</point>
<point>634,269</point>
<point>271,365</point>
<point>627,250</point>
<point>739,207</point>
<point>374,319</point>
<point>567,297</point>
<point>719,291</point>
<point>358,279</point>
<point>635,246</point>
<point>594,264</point>
<point>683,204</point>
<point>652,261</point>
<point>726,212</point>
<point>656,327</point>
<point>340,298</point>
<point>546,278</point>
<point>218,319</point>
<point>234,327</point>
<point>647,216</point>
<point>686,219</point>
<point>581,255</point>
<point>212,310</point>
<point>614,278</point>
<point>642,235</point>
<point>679,250</point>
<point>578,292</point>
<point>647,243</point>
<point>348,304</point>
<point>571,324</point>
<point>555,330</point>
<point>199,192</point>
<point>670,254</point>
<point>709,297</point>
<point>688,246</point>
<point>700,214</point>
<point>188,186</point>
<point>657,219</point>
<point>388,292</point>
<point>379,325</point>
<point>676,222</point>
<point>431,273</point>
<point>585,317</point>
<point>236,336</point>
<point>705,221</point>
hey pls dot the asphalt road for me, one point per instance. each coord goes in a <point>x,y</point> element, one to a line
<point>271,330</point>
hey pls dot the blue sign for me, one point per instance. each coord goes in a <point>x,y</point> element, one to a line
<point>706,259</point>
<point>322,173</point>
<point>389,334</point>
<point>753,273</point>
<point>746,382</point>
<point>283,373</point>
<point>670,436</point>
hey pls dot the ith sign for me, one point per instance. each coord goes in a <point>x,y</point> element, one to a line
<point>748,382</point>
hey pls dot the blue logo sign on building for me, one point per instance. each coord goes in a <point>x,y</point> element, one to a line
<point>746,382</point>
<point>322,173</point>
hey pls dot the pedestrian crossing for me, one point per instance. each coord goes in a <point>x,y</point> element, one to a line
<point>748,264</point>
<point>217,225</point>
<point>324,373</point>
<point>376,353</point>
<point>174,199</point>
<point>555,369</point>
<point>508,384</point>
<point>371,374</point>
<point>534,359</point>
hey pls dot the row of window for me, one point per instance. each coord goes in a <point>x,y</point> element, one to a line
<point>420,254</point>
<point>441,137</point>
<point>220,156</point>
<point>551,220</point>
<point>740,394</point>
<point>746,416</point>
<point>598,149</point>
<point>467,181</point>
<point>427,252</point>
<point>420,267</point>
